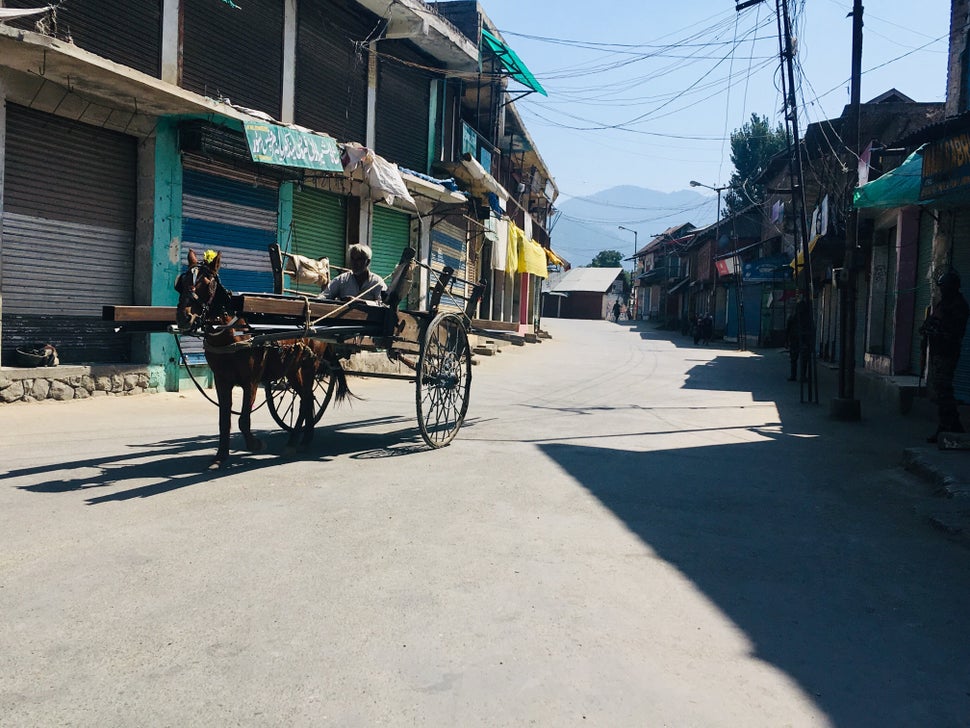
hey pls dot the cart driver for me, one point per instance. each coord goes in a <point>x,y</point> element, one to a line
<point>358,283</point>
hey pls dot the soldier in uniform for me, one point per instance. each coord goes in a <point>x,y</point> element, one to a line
<point>944,329</point>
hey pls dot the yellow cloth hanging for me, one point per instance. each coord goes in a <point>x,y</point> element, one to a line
<point>532,258</point>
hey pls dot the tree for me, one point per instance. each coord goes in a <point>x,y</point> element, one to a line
<point>752,147</point>
<point>607,259</point>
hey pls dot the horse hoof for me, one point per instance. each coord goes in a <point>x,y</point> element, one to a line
<point>255,445</point>
<point>216,464</point>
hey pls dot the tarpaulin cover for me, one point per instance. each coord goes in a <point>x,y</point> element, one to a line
<point>897,188</point>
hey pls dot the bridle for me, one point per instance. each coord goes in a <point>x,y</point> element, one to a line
<point>188,285</point>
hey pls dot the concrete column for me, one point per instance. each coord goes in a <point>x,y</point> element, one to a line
<point>166,248</point>
<point>289,62</point>
<point>171,41</point>
<point>371,95</point>
<point>424,255</point>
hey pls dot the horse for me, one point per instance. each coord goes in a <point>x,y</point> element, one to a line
<point>205,308</point>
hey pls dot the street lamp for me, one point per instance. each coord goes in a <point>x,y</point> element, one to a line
<point>633,271</point>
<point>717,237</point>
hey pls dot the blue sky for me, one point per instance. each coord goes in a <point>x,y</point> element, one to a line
<point>674,80</point>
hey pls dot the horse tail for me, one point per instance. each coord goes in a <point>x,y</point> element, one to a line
<point>342,392</point>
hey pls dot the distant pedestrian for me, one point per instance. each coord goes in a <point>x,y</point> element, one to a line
<point>799,337</point>
<point>707,328</point>
<point>616,311</point>
<point>944,329</point>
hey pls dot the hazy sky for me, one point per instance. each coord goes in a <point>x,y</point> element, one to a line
<point>653,90</point>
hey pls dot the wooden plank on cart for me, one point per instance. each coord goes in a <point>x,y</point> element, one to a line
<point>289,308</point>
<point>139,319</point>
<point>143,314</point>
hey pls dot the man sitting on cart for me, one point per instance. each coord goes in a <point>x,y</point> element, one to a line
<point>358,283</point>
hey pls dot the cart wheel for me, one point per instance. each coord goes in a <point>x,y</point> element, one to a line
<point>444,379</point>
<point>284,404</point>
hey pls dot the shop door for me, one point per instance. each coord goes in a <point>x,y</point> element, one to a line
<point>68,236</point>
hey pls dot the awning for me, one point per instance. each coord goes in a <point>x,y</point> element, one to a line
<point>896,188</point>
<point>512,63</point>
<point>288,147</point>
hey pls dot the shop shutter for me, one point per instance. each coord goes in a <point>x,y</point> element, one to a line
<point>448,247</point>
<point>233,215</point>
<point>235,53</point>
<point>924,286</point>
<point>331,67</point>
<point>861,317</point>
<point>122,31</point>
<point>403,107</point>
<point>961,263</point>
<point>319,228</point>
<point>68,235</point>
<point>391,234</point>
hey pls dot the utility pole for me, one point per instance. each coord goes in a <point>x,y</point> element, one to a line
<point>787,51</point>
<point>846,406</point>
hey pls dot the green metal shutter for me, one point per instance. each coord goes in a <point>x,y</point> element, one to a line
<point>319,228</point>
<point>391,234</point>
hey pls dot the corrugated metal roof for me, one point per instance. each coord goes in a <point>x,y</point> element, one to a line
<point>597,280</point>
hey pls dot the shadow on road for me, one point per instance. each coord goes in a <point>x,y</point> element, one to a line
<point>823,575</point>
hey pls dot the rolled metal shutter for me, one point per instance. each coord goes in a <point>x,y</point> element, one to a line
<point>331,67</point>
<point>391,234</point>
<point>403,107</point>
<point>228,212</point>
<point>319,228</point>
<point>125,32</point>
<point>961,263</point>
<point>68,235</point>
<point>449,247</point>
<point>235,53</point>
<point>924,286</point>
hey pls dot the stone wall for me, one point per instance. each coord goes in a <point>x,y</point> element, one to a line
<point>63,383</point>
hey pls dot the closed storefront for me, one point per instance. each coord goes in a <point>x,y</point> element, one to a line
<point>924,287</point>
<point>125,32</point>
<point>331,67</point>
<point>403,103</point>
<point>961,263</point>
<point>448,248</point>
<point>235,53</point>
<point>234,213</point>
<point>319,227</point>
<point>390,235</point>
<point>68,235</point>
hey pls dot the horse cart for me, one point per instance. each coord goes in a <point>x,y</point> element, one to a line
<point>295,346</point>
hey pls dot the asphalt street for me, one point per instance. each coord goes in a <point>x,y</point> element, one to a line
<point>628,531</point>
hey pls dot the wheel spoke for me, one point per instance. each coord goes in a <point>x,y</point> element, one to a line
<point>444,381</point>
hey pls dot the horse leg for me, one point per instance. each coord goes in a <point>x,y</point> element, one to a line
<point>308,375</point>
<point>253,443</point>
<point>224,396</point>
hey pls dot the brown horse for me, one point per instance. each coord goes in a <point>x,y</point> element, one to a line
<point>205,309</point>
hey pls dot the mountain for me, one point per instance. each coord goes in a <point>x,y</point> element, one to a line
<point>588,225</point>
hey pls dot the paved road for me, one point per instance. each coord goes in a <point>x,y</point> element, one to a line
<point>629,531</point>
